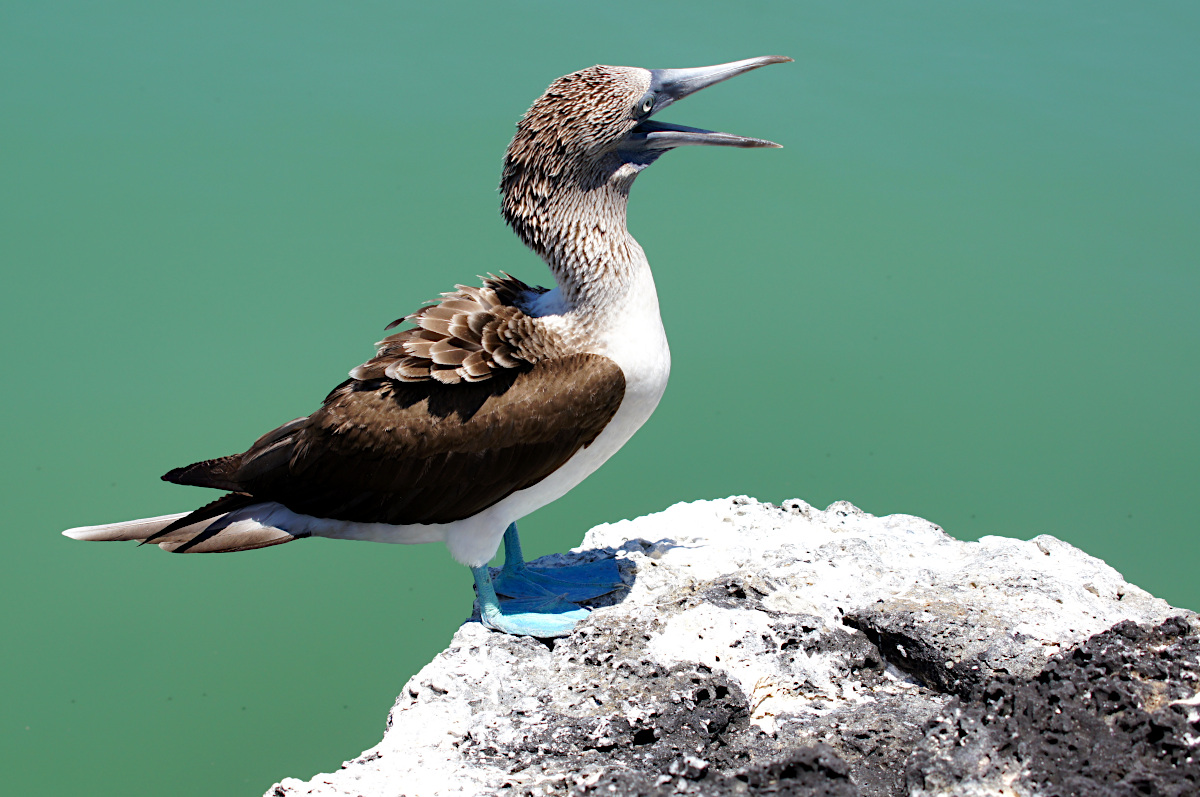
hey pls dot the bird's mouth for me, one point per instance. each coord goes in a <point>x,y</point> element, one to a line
<point>653,138</point>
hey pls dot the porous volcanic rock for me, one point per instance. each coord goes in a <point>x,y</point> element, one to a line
<point>764,650</point>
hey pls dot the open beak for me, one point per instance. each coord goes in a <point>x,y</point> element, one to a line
<point>668,85</point>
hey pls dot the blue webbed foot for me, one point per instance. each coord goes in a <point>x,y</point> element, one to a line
<point>545,616</point>
<point>573,582</point>
<point>540,598</point>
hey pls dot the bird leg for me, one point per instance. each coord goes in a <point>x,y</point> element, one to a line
<point>572,582</point>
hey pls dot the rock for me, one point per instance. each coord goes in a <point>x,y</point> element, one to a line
<point>1118,716</point>
<point>763,650</point>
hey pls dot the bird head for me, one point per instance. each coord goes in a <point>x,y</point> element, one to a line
<point>593,128</point>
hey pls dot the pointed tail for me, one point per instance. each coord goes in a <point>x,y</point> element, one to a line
<point>228,524</point>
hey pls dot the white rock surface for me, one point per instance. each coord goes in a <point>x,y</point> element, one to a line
<point>799,615</point>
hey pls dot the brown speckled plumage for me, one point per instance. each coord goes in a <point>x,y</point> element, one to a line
<point>563,192</point>
<point>564,189</point>
<point>464,336</point>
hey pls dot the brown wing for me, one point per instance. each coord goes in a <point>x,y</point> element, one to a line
<point>467,335</point>
<point>386,451</point>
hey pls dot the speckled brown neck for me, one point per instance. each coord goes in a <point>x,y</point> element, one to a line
<point>576,223</point>
<point>564,187</point>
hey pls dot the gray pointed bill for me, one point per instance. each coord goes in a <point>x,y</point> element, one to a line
<point>669,85</point>
<point>675,84</point>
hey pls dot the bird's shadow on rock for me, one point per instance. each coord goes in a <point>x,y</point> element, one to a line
<point>654,550</point>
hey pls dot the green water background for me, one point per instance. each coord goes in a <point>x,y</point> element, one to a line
<point>965,290</point>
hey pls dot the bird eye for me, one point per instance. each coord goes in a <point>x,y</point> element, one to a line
<point>647,104</point>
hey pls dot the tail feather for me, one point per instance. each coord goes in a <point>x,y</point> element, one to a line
<point>225,536</point>
<point>222,506</point>
<point>129,530</point>
<point>243,529</point>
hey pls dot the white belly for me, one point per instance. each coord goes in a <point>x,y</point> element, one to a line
<point>636,341</point>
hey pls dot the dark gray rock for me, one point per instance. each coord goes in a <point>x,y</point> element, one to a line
<point>1114,717</point>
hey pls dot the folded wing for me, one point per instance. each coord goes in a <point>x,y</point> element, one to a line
<point>386,451</point>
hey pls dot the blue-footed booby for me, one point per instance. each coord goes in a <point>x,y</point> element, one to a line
<point>497,399</point>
